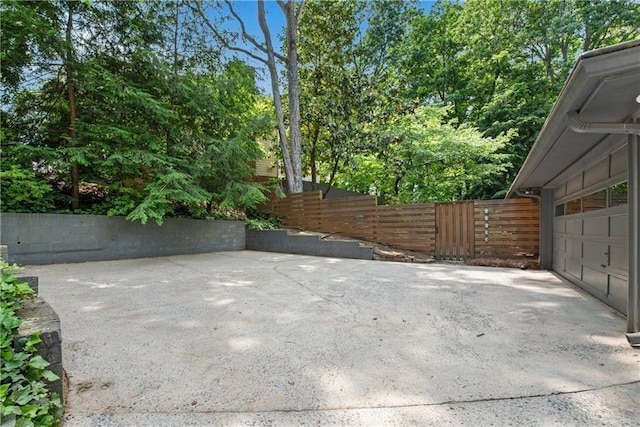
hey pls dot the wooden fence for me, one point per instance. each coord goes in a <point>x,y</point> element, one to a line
<point>456,230</point>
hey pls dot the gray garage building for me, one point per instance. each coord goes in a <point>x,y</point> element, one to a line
<point>584,167</point>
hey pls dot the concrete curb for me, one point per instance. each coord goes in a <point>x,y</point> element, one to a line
<point>282,241</point>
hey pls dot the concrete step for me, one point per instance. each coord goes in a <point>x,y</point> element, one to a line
<point>305,243</point>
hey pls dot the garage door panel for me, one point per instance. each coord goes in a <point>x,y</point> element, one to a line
<point>595,278</point>
<point>559,261</point>
<point>591,233</point>
<point>596,226</point>
<point>559,225</point>
<point>618,258</point>
<point>574,267</point>
<point>574,227</point>
<point>574,248</point>
<point>618,293</point>
<point>595,254</point>
<point>618,225</point>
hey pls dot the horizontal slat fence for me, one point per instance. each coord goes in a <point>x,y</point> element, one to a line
<point>511,227</point>
<point>507,228</point>
<point>411,227</point>
<point>350,216</point>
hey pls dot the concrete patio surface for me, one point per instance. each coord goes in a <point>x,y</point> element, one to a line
<point>256,338</point>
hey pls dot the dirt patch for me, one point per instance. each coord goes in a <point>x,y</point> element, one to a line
<point>521,263</point>
<point>389,253</point>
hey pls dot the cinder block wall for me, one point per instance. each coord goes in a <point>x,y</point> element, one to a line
<point>52,238</point>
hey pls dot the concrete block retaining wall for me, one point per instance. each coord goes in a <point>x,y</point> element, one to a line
<point>53,238</point>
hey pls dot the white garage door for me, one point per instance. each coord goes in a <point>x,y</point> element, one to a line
<point>590,233</point>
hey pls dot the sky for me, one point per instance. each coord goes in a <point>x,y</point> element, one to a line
<point>248,11</point>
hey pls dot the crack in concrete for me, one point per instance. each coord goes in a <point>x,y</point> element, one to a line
<point>418,405</point>
<point>110,411</point>
<point>531,396</point>
<point>302,285</point>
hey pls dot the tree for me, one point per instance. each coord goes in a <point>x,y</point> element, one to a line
<point>430,161</point>
<point>501,63</point>
<point>329,87</point>
<point>151,134</point>
<point>348,83</point>
<point>290,142</point>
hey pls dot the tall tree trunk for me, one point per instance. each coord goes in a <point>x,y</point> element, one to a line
<point>294,98</point>
<point>174,68</point>
<point>277,100</point>
<point>290,145</point>
<point>73,111</point>
<point>313,154</point>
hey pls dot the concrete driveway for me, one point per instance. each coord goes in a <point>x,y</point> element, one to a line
<point>255,338</point>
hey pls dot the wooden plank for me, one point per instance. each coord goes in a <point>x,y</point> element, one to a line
<point>513,224</point>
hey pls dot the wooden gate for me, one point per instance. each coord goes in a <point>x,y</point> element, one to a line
<point>455,232</point>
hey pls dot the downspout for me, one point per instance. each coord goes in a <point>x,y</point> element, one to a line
<point>633,130</point>
<point>633,303</point>
<point>528,192</point>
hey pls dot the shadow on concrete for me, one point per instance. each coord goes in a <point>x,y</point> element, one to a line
<point>263,338</point>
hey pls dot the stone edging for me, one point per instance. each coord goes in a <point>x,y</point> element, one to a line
<point>38,316</point>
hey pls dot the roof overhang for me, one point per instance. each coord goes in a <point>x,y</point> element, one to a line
<point>597,103</point>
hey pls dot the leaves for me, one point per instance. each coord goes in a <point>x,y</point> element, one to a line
<point>168,123</point>
<point>347,83</point>
<point>499,65</point>
<point>163,127</point>
<point>23,396</point>
<point>431,161</point>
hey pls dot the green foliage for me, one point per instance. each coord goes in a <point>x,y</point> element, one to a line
<point>500,64</point>
<point>348,87</point>
<point>163,128</point>
<point>25,400</point>
<point>258,220</point>
<point>166,190</point>
<point>167,126</point>
<point>22,191</point>
<point>430,161</point>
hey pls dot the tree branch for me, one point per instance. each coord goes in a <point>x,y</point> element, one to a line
<point>245,34</point>
<point>223,40</point>
<point>299,13</point>
<point>249,37</point>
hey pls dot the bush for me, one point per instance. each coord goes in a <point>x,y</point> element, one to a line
<point>259,220</point>
<point>25,399</point>
<point>22,191</point>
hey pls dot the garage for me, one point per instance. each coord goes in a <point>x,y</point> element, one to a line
<point>584,169</point>
<point>590,230</point>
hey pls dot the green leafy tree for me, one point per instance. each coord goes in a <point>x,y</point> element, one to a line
<point>263,50</point>
<point>501,64</point>
<point>141,110</point>
<point>429,161</point>
<point>348,84</point>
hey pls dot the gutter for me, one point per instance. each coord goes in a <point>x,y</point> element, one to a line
<point>579,126</point>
